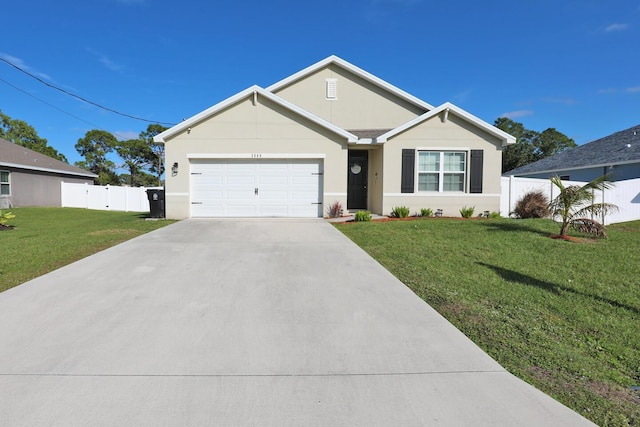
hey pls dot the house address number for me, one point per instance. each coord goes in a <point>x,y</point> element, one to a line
<point>256,155</point>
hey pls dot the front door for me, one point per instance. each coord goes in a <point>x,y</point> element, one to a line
<point>357,183</point>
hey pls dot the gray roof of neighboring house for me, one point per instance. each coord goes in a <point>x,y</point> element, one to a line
<point>618,148</point>
<point>17,156</point>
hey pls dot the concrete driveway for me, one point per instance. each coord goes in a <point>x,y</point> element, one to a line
<point>245,323</point>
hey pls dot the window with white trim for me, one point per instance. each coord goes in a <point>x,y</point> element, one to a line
<point>5,185</point>
<point>442,171</point>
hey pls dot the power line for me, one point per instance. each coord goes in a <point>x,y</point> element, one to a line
<point>79,97</point>
<point>46,103</point>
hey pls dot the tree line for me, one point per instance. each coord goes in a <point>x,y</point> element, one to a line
<point>143,158</point>
<point>530,145</point>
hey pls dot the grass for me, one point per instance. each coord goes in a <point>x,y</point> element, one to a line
<point>562,315</point>
<point>45,239</point>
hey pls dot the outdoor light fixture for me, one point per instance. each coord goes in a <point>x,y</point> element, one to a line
<point>174,169</point>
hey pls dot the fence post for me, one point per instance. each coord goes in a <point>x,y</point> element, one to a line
<point>511,190</point>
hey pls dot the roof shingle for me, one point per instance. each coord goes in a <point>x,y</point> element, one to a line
<point>15,155</point>
<point>620,147</point>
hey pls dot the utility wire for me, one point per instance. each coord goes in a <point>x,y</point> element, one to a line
<point>59,109</point>
<point>46,103</point>
<point>79,97</point>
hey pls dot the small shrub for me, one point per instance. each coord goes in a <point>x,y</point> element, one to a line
<point>466,212</point>
<point>335,210</point>
<point>363,216</point>
<point>494,214</point>
<point>426,212</point>
<point>5,217</point>
<point>400,212</point>
<point>533,204</point>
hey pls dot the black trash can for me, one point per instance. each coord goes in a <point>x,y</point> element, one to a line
<point>156,202</point>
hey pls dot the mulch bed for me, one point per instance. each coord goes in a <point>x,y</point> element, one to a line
<point>413,218</point>
<point>6,227</point>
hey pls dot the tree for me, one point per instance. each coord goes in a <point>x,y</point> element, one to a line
<point>136,154</point>
<point>94,147</point>
<point>157,148</point>
<point>576,201</point>
<point>551,142</point>
<point>530,145</point>
<point>21,133</point>
<point>141,179</point>
<point>520,153</point>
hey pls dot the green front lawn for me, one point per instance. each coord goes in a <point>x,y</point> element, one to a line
<point>45,239</point>
<point>564,316</point>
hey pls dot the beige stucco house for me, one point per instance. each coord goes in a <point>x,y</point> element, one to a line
<point>330,133</point>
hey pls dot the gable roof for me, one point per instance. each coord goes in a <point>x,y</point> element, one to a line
<point>252,91</point>
<point>16,156</point>
<point>334,60</point>
<point>618,148</point>
<point>447,108</point>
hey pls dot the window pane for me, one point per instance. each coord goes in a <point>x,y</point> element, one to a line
<point>428,161</point>
<point>4,189</point>
<point>453,182</point>
<point>428,182</point>
<point>454,162</point>
<point>4,176</point>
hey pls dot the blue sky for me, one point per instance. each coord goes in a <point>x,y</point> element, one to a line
<point>571,65</point>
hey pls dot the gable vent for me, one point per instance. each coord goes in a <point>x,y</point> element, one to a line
<point>332,88</point>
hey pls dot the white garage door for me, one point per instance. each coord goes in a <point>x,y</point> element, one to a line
<point>255,188</point>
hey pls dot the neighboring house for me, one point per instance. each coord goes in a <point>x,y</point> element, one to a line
<point>29,178</point>
<point>330,133</point>
<point>617,155</point>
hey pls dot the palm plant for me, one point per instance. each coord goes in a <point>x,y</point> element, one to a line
<point>576,201</point>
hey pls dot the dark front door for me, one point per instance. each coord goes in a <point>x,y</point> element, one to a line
<point>357,184</point>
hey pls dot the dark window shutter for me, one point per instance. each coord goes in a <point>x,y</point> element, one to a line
<point>408,170</point>
<point>477,160</point>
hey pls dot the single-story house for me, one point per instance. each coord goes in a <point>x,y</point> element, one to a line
<point>29,178</point>
<point>617,155</point>
<point>330,133</point>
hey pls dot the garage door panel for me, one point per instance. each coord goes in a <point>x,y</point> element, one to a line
<point>241,180</point>
<point>274,180</point>
<point>228,188</point>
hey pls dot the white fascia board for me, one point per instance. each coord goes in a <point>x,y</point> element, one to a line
<point>366,141</point>
<point>186,124</point>
<point>573,168</point>
<point>304,113</point>
<point>355,70</point>
<point>161,138</point>
<point>505,137</point>
<point>256,156</point>
<point>35,168</point>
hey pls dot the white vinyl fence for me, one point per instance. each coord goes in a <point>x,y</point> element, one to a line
<point>624,194</point>
<point>106,198</point>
